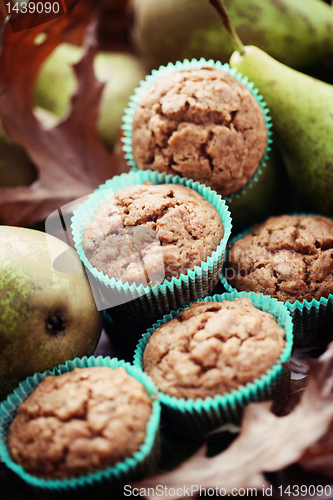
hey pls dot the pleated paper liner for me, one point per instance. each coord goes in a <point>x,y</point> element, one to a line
<point>185,66</point>
<point>99,484</point>
<point>312,319</point>
<point>195,418</point>
<point>116,322</point>
<point>171,294</point>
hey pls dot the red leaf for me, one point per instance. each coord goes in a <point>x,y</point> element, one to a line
<point>70,158</point>
<point>266,443</point>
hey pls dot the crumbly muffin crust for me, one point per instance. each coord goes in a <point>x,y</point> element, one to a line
<point>202,124</point>
<point>148,233</point>
<point>211,348</point>
<point>80,422</point>
<point>287,257</point>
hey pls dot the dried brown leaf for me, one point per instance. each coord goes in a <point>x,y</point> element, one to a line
<point>70,158</point>
<point>266,443</point>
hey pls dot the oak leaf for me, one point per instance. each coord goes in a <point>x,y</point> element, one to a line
<point>70,159</point>
<point>266,443</point>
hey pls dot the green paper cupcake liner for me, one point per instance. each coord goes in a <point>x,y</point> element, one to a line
<point>184,66</point>
<point>195,418</point>
<point>162,297</point>
<point>99,484</point>
<point>312,319</point>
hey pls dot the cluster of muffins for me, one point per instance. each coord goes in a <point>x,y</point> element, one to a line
<point>155,238</point>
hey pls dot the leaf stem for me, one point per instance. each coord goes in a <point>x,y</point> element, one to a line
<point>219,5</point>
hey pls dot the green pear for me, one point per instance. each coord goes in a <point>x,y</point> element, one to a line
<point>268,195</point>
<point>56,84</point>
<point>56,80</point>
<point>16,169</point>
<point>301,108</point>
<point>296,32</point>
<point>46,316</point>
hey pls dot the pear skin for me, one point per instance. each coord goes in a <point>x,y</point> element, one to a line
<point>301,108</point>
<point>56,83</point>
<point>267,195</point>
<point>46,316</point>
<point>296,32</point>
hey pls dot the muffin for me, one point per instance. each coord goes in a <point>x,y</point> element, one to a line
<point>212,358</point>
<point>212,348</point>
<point>202,124</point>
<point>80,422</point>
<point>148,233</point>
<point>288,257</point>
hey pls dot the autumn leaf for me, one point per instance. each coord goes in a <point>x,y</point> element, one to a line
<point>266,443</point>
<point>70,159</point>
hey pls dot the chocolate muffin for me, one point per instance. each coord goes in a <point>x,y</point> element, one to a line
<point>289,257</point>
<point>202,124</point>
<point>148,233</point>
<point>211,348</point>
<point>80,422</point>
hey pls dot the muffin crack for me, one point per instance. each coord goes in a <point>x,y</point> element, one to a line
<point>287,257</point>
<point>228,347</point>
<point>190,121</point>
<point>98,424</point>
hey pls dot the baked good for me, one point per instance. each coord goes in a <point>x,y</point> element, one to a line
<point>202,124</point>
<point>289,257</point>
<point>80,422</point>
<point>148,233</point>
<point>211,348</point>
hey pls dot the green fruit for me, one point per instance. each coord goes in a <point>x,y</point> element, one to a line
<point>296,32</point>
<point>301,108</point>
<point>56,80</point>
<point>56,83</point>
<point>46,316</point>
<point>123,73</point>
<point>267,196</point>
<point>16,168</point>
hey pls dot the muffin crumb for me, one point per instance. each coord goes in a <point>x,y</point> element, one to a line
<point>80,422</point>
<point>289,257</point>
<point>148,233</point>
<point>213,347</point>
<point>202,124</point>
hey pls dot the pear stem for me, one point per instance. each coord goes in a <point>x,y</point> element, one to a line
<point>219,5</point>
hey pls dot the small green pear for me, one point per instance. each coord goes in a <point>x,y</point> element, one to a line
<point>46,316</point>
<point>296,32</point>
<point>301,108</point>
<point>16,169</point>
<point>56,83</point>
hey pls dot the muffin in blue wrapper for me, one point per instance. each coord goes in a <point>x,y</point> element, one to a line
<point>157,298</point>
<point>100,482</point>
<point>208,333</point>
<point>202,120</point>
<point>288,257</point>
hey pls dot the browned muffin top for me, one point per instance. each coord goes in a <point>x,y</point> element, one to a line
<point>148,233</point>
<point>202,124</point>
<point>80,422</point>
<point>287,257</point>
<point>211,348</point>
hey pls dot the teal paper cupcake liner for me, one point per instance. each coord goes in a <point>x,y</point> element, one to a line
<point>184,66</point>
<point>102,483</point>
<point>195,418</point>
<point>171,294</point>
<point>312,319</point>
